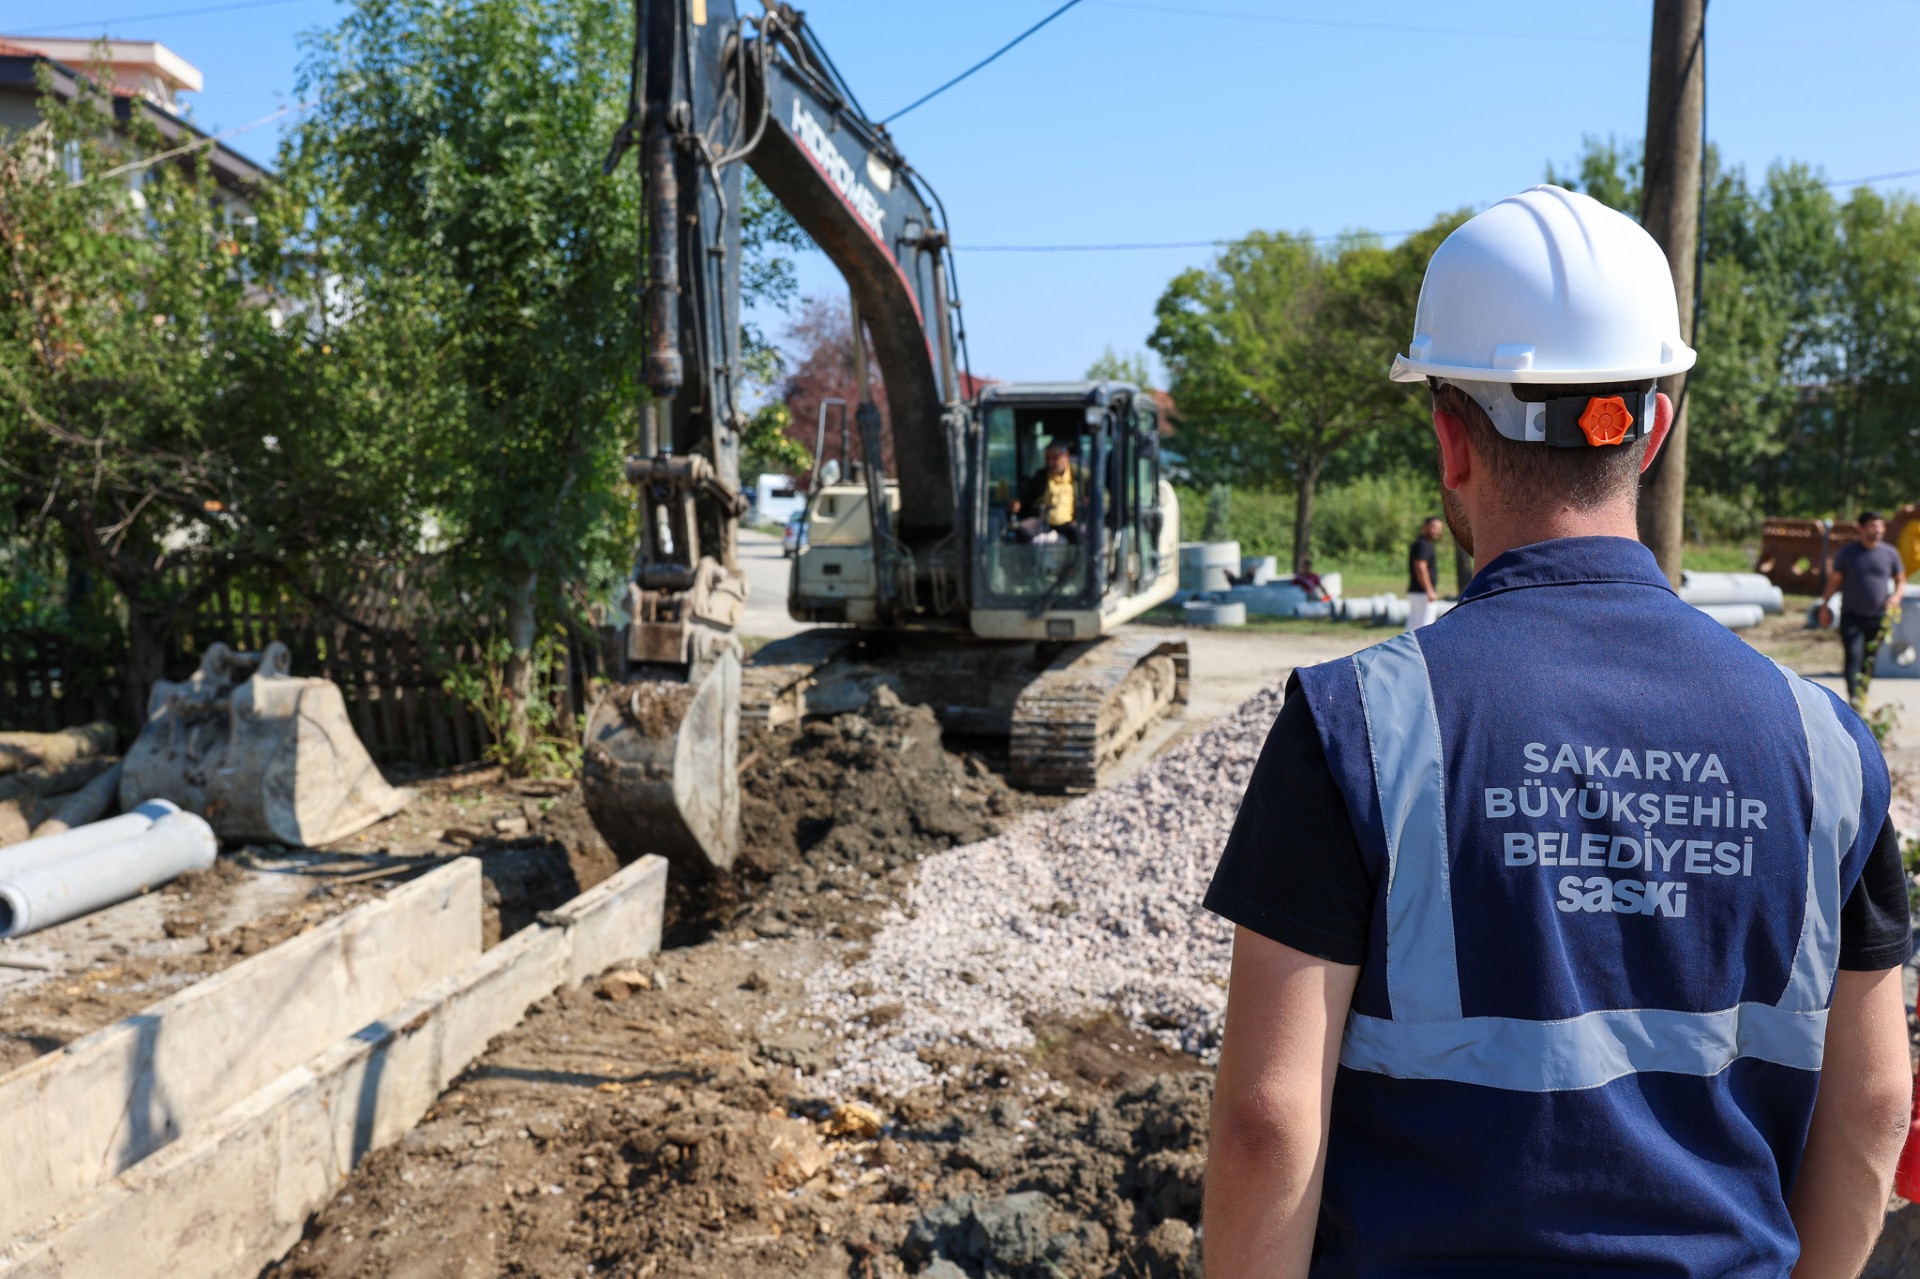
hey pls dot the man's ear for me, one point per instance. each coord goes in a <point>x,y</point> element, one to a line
<point>1456,463</point>
<point>1662,424</point>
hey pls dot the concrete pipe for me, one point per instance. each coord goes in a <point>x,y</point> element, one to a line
<point>1212,554</point>
<point>1215,613</point>
<point>1258,570</point>
<point>84,839</point>
<point>1316,610</point>
<point>51,893</point>
<point>1276,599</point>
<point>1199,578</point>
<point>1735,617</point>
<point>1391,611</point>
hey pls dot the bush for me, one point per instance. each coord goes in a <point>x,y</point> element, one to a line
<point>1370,516</point>
<point>1718,518</point>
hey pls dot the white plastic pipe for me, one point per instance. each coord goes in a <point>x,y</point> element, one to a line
<point>53,848</point>
<point>49,893</point>
<point>1731,588</point>
<point>1735,617</point>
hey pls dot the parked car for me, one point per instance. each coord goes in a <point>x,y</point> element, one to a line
<point>794,540</point>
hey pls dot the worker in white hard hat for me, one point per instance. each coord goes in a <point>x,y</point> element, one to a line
<point>1569,927</point>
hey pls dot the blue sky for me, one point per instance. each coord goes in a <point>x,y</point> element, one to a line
<point>1154,120</point>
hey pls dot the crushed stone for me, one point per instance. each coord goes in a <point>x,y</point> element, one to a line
<point>1090,908</point>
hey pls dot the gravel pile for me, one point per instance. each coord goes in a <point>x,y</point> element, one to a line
<point>1092,908</point>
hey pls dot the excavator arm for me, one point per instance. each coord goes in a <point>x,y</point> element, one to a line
<point>713,91</point>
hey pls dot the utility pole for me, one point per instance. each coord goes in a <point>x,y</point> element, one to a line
<point>1670,211</point>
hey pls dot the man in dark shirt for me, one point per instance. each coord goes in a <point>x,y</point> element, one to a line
<point>1870,578</point>
<point>1423,574</point>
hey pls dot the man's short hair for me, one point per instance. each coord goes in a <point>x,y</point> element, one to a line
<point>1868,516</point>
<point>1530,471</point>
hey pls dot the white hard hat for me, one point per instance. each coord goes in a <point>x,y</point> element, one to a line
<point>1547,286</point>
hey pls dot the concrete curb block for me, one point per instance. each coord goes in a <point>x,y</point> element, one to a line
<point>235,1195</point>
<point>81,1115</point>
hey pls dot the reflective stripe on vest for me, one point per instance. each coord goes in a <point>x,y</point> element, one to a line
<point>1428,1038</point>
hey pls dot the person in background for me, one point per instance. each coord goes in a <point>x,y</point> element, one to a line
<point>1423,574</point>
<point>1049,499</point>
<point>1871,579</point>
<point>1309,581</point>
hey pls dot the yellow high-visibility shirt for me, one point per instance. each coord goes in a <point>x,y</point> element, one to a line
<point>1059,499</point>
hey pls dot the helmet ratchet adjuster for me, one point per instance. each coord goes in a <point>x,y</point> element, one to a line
<point>1585,421</point>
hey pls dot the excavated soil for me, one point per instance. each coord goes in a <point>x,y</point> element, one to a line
<point>673,1119</point>
<point>673,1128</point>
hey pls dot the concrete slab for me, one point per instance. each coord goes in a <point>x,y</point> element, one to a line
<point>81,1115</point>
<point>234,1195</point>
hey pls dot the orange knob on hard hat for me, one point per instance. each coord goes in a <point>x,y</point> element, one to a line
<point>1606,420</point>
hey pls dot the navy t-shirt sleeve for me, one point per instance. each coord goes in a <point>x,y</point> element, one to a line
<point>1874,930</point>
<point>1292,870</point>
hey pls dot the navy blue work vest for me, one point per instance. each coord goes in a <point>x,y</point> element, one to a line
<point>1611,843</point>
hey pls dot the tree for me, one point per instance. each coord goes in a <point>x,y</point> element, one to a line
<point>177,406</point>
<point>454,159</point>
<point>819,368</point>
<point>1121,368</point>
<point>1278,355</point>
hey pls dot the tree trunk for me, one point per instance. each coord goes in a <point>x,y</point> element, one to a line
<point>147,633</point>
<point>522,626</point>
<point>1308,477</point>
<point>1670,211</point>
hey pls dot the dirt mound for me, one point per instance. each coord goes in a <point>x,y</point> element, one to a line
<point>832,815</point>
<point>874,790</point>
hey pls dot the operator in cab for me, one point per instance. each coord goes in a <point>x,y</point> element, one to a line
<point>1049,501</point>
<point>1570,926</point>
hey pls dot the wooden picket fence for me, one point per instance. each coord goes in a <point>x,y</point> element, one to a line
<point>374,632</point>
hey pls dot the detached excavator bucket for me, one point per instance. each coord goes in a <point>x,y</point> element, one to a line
<point>261,754</point>
<point>661,768</point>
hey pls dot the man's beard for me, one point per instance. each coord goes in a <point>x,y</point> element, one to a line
<point>1457,522</point>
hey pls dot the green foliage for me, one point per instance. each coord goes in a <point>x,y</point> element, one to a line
<point>1369,517</point>
<point>1120,368</point>
<point>454,165</point>
<point>766,447</point>
<point>175,389</point>
<point>526,743</point>
<point>1219,513</point>
<point>1809,337</point>
<point>1278,356</point>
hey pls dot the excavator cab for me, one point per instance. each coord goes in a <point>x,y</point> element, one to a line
<point>1036,578</point>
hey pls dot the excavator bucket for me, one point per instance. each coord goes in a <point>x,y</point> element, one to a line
<point>261,754</point>
<point>661,768</point>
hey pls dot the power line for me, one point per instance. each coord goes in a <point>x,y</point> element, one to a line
<point>1478,33</point>
<point>1350,24</point>
<point>983,62</point>
<point>148,161</point>
<point>156,17</point>
<point>1228,242</point>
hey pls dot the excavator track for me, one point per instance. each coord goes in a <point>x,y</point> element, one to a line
<point>1072,723</point>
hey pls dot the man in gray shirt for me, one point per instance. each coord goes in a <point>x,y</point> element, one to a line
<point>1871,579</point>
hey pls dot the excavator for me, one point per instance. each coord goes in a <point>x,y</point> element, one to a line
<point>926,580</point>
